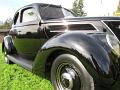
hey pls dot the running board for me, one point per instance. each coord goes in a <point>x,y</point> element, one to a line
<point>21,61</point>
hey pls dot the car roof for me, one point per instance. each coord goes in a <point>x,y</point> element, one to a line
<point>76,18</point>
<point>42,4</point>
<point>37,5</point>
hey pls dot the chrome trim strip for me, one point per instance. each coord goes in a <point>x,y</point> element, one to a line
<point>94,26</point>
<point>110,20</point>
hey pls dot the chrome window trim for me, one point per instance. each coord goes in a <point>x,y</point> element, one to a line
<point>94,26</point>
<point>110,20</point>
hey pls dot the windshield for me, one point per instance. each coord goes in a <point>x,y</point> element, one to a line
<point>54,12</point>
<point>114,26</point>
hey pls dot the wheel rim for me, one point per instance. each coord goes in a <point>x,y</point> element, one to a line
<point>67,77</point>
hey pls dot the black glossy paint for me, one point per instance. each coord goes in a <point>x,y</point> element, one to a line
<point>95,57</point>
<point>43,40</point>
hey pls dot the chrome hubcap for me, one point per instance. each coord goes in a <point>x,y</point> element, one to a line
<point>67,78</point>
<point>67,81</point>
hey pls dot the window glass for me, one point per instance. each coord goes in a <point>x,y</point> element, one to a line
<point>16,18</point>
<point>68,13</point>
<point>54,12</point>
<point>51,12</point>
<point>29,15</point>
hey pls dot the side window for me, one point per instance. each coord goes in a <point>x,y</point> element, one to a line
<point>29,15</point>
<point>16,18</point>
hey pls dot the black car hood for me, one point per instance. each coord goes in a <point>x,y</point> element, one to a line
<point>60,20</point>
<point>77,19</point>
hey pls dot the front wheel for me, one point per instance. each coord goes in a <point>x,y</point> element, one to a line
<point>68,73</point>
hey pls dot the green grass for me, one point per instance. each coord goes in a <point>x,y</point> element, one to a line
<point>14,77</point>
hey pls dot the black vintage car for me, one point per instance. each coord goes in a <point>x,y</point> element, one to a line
<point>76,53</point>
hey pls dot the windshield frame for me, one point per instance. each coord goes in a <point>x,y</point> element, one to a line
<point>64,10</point>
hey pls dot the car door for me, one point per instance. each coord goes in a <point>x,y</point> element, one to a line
<point>29,37</point>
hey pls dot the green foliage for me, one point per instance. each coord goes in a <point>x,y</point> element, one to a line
<point>117,12</point>
<point>14,77</point>
<point>7,24</point>
<point>118,8</point>
<point>78,7</point>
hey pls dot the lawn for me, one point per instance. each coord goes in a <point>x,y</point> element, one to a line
<point>14,77</point>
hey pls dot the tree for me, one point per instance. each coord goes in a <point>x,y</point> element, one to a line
<point>78,7</point>
<point>118,8</point>
<point>117,12</point>
<point>7,24</point>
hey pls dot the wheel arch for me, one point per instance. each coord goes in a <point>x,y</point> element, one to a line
<point>51,58</point>
<point>82,58</point>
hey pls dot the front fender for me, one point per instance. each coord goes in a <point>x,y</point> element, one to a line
<point>97,60</point>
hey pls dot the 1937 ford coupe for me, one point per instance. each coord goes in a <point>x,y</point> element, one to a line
<point>77,53</point>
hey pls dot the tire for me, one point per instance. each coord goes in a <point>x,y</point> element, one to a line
<point>68,73</point>
<point>6,60</point>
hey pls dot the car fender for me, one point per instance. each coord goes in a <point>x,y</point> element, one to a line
<point>96,58</point>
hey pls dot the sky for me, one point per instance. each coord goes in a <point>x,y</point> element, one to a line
<point>91,7</point>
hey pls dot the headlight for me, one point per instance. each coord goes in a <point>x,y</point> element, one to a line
<point>113,43</point>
